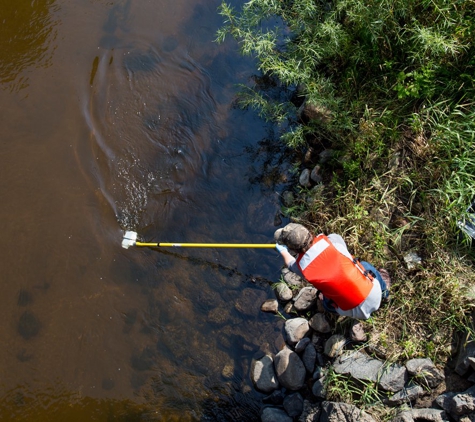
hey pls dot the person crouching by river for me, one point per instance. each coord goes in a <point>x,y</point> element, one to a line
<point>349,287</point>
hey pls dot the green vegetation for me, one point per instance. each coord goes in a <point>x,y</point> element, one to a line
<point>390,86</point>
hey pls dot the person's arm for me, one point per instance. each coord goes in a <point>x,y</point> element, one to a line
<point>284,252</point>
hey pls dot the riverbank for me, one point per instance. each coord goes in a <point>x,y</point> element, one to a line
<point>375,102</point>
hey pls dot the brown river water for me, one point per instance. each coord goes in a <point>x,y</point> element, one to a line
<point>118,114</point>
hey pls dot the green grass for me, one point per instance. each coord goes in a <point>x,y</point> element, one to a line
<point>394,82</point>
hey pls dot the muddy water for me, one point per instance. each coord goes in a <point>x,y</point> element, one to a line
<point>119,115</point>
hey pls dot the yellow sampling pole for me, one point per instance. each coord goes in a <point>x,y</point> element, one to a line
<point>207,245</point>
<point>130,239</point>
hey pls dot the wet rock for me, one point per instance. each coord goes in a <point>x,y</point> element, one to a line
<point>318,388</point>
<point>319,323</point>
<point>309,358</point>
<point>277,398</point>
<point>315,175</point>
<point>425,372</point>
<point>412,260</point>
<point>334,346</point>
<point>228,371</point>
<point>270,305</point>
<point>263,375</point>
<point>311,412</point>
<point>357,333</point>
<point>318,373</point>
<point>274,414</point>
<point>295,330</point>
<point>304,179</point>
<point>359,365</point>
<point>288,198</point>
<point>337,412</point>
<point>29,325</point>
<point>283,292</point>
<point>301,345</point>
<point>289,369</point>
<point>393,378</point>
<point>290,308</point>
<point>407,395</point>
<point>291,278</point>
<point>293,405</point>
<point>306,299</point>
<point>247,302</point>
<point>218,316</point>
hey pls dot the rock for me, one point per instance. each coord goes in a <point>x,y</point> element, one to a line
<point>318,373</point>
<point>247,302</point>
<point>359,365</point>
<point>276,397</point>
<point>306,299</point>
<point>295,330</point>
<point>301,345</point>
<point>334,345</point>
<point>425,372</point>
<point>407,395</point>
<point>319,323</point>
<point>326,155</point>
<point>462,364</point>
<point>357,333</point>
<point>293,405</point>
<point>273,414</point>
<point>337,412</point>
<point>311,412</point>
<point>283,292</point>
<point>218,316</point>
<point>289,308</point>
<point>291,278</point>
<point>412,260</point>
<point>392,378</point>
<point>304,179</point>
<point>270,305</point>
<point>287,199</point>
<point>318,388</point>
<point>429,415</point>
<point>309,358</point>
<point>315,176</point>
<point>263,375</point>
<point>289,369</point>
<point>458,404</point>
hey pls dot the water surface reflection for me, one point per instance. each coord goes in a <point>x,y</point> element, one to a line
<point>131,126</point>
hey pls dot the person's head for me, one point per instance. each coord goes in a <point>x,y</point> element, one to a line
<point>295,236</point>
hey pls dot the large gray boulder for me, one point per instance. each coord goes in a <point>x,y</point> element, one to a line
<point>263,375</point>
<point>289,369</point>
<point>359,365</point>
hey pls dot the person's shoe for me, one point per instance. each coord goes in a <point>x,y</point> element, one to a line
<point>387,279</point>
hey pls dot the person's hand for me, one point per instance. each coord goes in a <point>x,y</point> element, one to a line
<point>281,248</point>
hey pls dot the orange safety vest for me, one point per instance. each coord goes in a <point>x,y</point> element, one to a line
<point>338,277</point>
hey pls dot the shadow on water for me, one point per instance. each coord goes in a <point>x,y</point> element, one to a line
<point>26,32</point>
